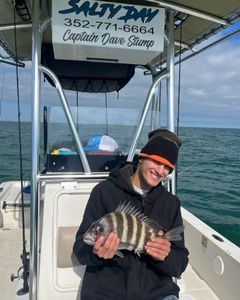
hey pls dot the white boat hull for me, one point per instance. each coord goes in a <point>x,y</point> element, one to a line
<point>213,272</point>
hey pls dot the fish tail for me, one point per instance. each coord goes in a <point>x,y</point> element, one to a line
<point>174,234</point>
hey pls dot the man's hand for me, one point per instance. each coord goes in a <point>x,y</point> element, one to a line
<point>108,248</point>
<point>158,247</point>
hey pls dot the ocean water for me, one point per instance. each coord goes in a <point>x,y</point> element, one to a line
<point>208,171</point>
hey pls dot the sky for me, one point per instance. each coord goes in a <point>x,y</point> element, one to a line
<point>209,94</point>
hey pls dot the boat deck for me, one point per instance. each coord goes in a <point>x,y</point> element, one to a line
<point>10,251</point>
<point>192,287</point>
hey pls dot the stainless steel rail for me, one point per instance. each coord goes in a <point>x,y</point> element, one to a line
<point>17,26</point>
<point>171,87</point>
<point>67,111</point>
<point>219,41</point>
<point>70,177</point>
<point>148,101</point>
<point>190,11</point>
<point>35,200</point>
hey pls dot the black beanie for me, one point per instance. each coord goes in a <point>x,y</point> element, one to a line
<point>165,133</point>
<point>162,150</point>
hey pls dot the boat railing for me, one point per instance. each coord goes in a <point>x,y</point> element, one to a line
<point>148,101</point>
<point>67,111</point>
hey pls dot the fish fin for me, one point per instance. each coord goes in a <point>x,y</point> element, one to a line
<point>120,254</point>
<point>129,208</point>
<point>152,223</point>
<point>139,251</point>
<point>174,234</point>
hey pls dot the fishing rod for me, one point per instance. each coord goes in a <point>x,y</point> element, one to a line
<point>25,254</point>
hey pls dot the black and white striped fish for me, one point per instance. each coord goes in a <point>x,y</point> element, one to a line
<point>133,228</point>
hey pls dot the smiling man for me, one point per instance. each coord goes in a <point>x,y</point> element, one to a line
<point>150,275</point>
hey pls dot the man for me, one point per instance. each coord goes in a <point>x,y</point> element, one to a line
<point>149,276</point>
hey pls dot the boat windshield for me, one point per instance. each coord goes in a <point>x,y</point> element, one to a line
<point>105,131</point>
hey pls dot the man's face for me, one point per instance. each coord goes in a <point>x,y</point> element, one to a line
<point>151,173</point>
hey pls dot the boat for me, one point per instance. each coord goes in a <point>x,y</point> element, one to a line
<point>128,37</point>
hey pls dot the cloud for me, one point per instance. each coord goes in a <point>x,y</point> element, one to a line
<point>9,76</point>
<point>210,89</point>
<point>211,86</point>
<point>196,92</point>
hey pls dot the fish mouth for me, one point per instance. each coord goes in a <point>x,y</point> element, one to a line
<point>89,239</point>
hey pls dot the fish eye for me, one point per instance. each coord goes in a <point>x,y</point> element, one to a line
<point>100,228</point>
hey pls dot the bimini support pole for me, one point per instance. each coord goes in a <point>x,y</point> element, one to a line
<point>150,96</point>
<point>69,117</point>
<point>170,85</point>
<point>34,212</point>
<point>155,109</point>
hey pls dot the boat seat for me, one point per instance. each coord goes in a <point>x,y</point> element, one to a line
<point>65,256</point>
<point>60,274</point>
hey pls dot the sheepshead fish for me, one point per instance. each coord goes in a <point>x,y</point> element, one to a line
<point>133,228</point>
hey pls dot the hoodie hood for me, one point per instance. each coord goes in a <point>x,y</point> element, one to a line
<point>121,178</point>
